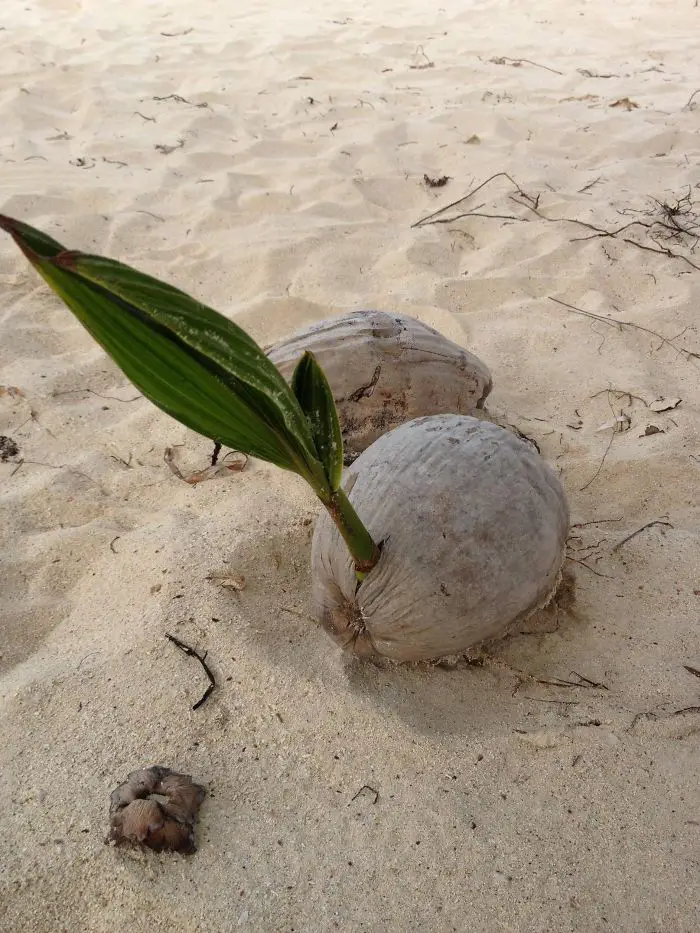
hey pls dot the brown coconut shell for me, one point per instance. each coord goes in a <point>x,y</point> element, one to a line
<point>386,369</point>
<point>473,526</point>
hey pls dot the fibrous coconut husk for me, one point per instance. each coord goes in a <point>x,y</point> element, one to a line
<point>472,524</point>
<point>162,822</point>
<point>386,369</point>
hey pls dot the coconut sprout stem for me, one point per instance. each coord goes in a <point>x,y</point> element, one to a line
<point>362,547</point>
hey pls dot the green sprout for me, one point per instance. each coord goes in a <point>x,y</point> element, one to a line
<point>204,371</point>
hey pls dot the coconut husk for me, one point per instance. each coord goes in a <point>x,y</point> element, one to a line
<point>472,524</point>
<point>386,369</point>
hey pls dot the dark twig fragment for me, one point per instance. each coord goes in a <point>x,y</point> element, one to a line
<point>638,532</point>
<point>201,658</point>
<point>366,787</point>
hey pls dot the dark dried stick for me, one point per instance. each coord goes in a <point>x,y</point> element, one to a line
<point>370,789</point>
<point>612,234</point>
<point>447,207</point>
<point>600,467</point>
<point>532,204</point>
<point>620,324</point>
<point>449,220</point>
<point>502,59</point>
<point>689,105</point>
<point>638,532</point>
<point>662,251</point>
<point>591,184</point>
<point>195,654</point>
<point>621,392</point>
<point>114,398</point>
<point>589,682</point>
<point>576,560</point>
<point>692,670</point>
<point>560,702</point>
<point>598,521</point>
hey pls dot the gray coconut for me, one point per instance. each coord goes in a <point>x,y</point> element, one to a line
<point>472,524</point>
<point>386,369</point>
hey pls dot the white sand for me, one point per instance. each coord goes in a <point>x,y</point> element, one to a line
<point>547,809</point>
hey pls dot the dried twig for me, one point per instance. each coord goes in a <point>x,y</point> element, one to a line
<point>201,658</point>
<point>181,100</point>
<point>576,560</point>
<point>620,324</point>
<point>532,204</point>
<point>447,207</point>
<point>427,63</point>
<point>600,465</point>
<point>589,682</point>
<point>516,62</point>
<point>560,702</point>
<point>165,149</point>
<point>590,185</point>
<point>620,393</point>
<point>690,105</point>
<point>370,789</point>
<point>638,532</point>
<point>114,398</point>
<point>598,521</point>
<point>60,466</point>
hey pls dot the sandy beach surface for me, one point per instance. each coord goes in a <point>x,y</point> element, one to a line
<point>274,162</point>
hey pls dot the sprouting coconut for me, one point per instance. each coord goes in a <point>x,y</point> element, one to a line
<point>447,529</point>
<point>472,525</point>
<point>386,369</point>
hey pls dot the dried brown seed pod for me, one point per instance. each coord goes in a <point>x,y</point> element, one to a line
<point>138,784</point>
<point>386,369</point>
<point>137,821</point>
<point>183,798</point>
<point>173,837</point>
<point>137,817</point>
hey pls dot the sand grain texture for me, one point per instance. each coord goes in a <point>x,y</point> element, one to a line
<point>272,163</point>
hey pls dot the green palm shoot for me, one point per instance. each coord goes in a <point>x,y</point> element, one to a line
<point>204,371</point>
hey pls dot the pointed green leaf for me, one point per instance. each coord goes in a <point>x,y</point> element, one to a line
<point>190,361</point>
<point>315,397</point>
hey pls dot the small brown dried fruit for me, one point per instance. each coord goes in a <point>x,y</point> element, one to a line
<point>165,824</point>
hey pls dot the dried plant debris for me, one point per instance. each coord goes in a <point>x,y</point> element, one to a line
<point>438,181</point>
<point>233,462</point>
<point>157,808</point>
<point>12,391</point>
<point>8,448</point>
<point>665,404</point>
<point>231,581</point>
<point>624,103</point>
